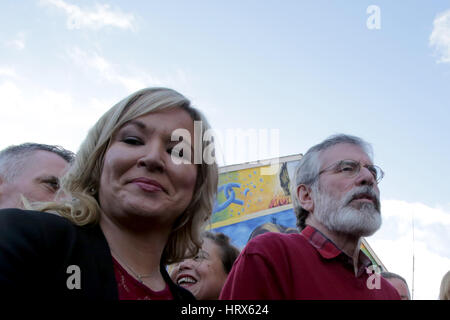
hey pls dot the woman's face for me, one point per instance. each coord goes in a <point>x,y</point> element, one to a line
<point>204,275</point>
<point>139,178</point>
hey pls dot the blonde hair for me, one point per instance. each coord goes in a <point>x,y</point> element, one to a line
<point>82,180</point>
<point>445,287</point>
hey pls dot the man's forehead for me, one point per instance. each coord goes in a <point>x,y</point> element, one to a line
<point>398,282</point>
<point>44,156</point>
<point>344,151</point>
<point>45,162</point>
<point>400,286</point>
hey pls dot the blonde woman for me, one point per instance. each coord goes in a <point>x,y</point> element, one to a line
<point>135,205</point>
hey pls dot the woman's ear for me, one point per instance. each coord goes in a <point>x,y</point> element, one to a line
<point>305,199</point>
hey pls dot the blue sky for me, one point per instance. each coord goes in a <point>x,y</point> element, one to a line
<point>307,68</point>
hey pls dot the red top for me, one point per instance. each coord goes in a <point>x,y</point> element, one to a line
<point>131,289</point>
<point>275,266</point>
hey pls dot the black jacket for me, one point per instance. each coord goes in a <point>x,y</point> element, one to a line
<point>37,248</point>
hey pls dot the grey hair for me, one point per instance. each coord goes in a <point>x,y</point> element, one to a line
<point>14,158</point>
<point>309,166</point>
<point>391,275</point>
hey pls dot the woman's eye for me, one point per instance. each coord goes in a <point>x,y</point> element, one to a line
<point>133,141</point>
<point>198,258</point>
<point>176,153</point>
<point>201,256</point>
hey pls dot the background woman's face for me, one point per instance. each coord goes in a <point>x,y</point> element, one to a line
<point>139,178</point>
<point>204,275</point>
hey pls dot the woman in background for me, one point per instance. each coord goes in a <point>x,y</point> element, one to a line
<point>205,274</point>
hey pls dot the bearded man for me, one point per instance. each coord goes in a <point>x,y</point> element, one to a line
<point>337,202</point>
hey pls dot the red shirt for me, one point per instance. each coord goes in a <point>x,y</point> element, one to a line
<point>275,266</point>
<point>131,289</point>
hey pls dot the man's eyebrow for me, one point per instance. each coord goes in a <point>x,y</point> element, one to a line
<point>48,178</point>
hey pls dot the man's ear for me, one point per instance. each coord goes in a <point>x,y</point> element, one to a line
<point>305,199</point>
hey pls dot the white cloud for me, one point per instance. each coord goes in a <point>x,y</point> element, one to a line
<point>102,15</point>
<point>41,115</point>
<point>115,74</point>
<point>440,37</point>
<point>107,71</point>
<point>7,71</point>
<point>17,43</point>
<point>423,214</point>
<point>394,244</point>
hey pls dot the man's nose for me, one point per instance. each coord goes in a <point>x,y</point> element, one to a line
<point>365,177</point>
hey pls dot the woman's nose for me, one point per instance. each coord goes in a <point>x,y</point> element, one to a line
<point>152,159</point>
<point>185,264</point>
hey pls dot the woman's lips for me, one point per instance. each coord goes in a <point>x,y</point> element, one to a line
<point>186,280</point>
<point>148,185</point>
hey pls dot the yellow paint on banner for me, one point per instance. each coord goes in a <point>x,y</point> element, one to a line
<point>247,191</point>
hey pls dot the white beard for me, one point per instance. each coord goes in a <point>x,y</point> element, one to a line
<point>340,216</point>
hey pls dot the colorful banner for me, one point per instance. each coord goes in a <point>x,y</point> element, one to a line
<point>245,192</point>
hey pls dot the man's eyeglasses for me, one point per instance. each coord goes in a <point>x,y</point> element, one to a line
<point>351,168</point>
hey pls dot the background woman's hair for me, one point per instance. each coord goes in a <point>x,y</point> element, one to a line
<point>228,252</point>
<point>82,180</point>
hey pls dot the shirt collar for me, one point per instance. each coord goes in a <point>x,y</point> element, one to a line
<point>328,250</point>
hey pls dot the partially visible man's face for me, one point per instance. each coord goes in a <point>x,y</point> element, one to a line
<point>349,205</point>
<point>37,181</point>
